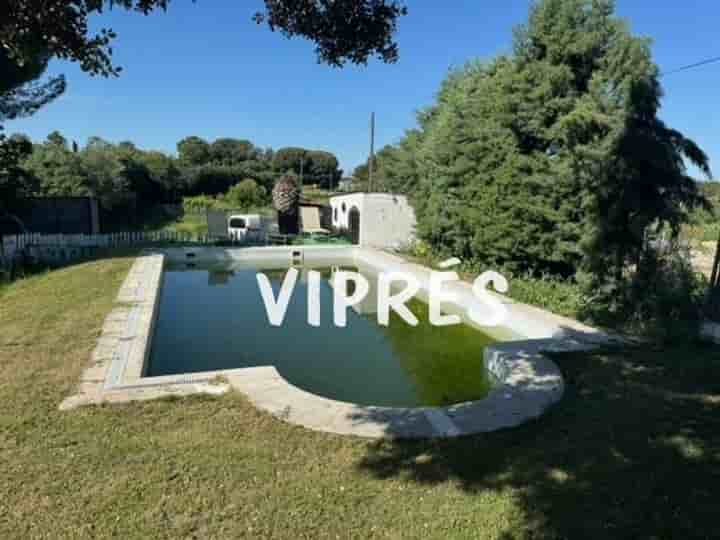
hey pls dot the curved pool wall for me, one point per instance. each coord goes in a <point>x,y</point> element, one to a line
<point>527,381</point>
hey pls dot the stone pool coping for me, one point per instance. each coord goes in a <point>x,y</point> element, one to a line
<point>528,381</point>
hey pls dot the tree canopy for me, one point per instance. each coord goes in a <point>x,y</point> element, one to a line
<point>343,30</point>
<point>315,166</point>
<point>129,180</point>
<point>193,151</point>
<point>32,32</point>
<point>552,158</point>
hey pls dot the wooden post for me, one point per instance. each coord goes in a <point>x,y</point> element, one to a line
<point>716,264</point>
<point>712,299</point>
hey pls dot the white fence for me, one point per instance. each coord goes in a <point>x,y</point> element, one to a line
<point>64,247</point>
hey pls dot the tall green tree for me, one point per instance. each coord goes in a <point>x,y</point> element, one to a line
<point>228,151</point>
<point>57,138</point>
<point>163,170</point>
<point>322,168</point>
<point>21,95</point>
<point>551,158</point>
<point>290,159</point>
<point>34,31</point>
<point>107,176</point>
<point>246,195</point>
<point>194,151</point>
<point>315,166</point>
<point>120,175</point>
<point>394,167</point>
<point>57,170</point>
<point>343,31</point>
<point>15,181</point>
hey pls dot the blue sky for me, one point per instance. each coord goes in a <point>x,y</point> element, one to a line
<point>206,69</point>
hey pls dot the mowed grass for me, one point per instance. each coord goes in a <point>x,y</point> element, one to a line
<point>195,224</point>
<point>632,451</point>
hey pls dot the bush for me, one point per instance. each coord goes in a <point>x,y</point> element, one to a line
<point>200,203</point>
<point>561,296</point>
<point>420,250</point>
<point>246,194</point>
<point>662,301</point>
<point>210,179</point>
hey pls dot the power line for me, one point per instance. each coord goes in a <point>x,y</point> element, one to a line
<point>691,66</point>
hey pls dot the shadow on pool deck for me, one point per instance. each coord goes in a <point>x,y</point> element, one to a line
<point>632,450</point>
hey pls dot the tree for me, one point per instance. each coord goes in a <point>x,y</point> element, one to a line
<point>322,168</point>
<point>57,171</point>
<point>57,139</point>
<point>629,166</point>
<point>21,96</point>
<point>344,30</point>
<point>123,177</point>
<point>394,169</point>
<point>290,159</point>
<point>147,186</point>
<point>34,31</point>
<point>360,174</point>
<point>210,179</point>
<point>260,171</point>
<point>14,179</point>
<point>193,151</point>
<point>127,147</point>
<point>551,159</point>
<point>20,93</point>
<point>106,178</point>
<point>246,194</point>
<point>163,170</point>
<point>315,166</point>
<point>229,151</point>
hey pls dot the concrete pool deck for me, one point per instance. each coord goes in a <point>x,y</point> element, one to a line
<point>527,381</point>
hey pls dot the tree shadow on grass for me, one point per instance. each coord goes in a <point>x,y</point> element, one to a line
<point>631,451</point>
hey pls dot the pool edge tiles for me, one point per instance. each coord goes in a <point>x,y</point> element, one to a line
<point>528,381</point>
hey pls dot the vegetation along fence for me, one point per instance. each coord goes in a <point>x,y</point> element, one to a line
<point>58,248</point>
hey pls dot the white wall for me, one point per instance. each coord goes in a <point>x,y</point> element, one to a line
<point>386,220</point>
<point>340,217</point>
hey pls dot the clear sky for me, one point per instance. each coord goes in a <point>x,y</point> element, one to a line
<point>206,69</point>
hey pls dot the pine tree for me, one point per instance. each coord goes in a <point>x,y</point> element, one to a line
<point>552,158</point>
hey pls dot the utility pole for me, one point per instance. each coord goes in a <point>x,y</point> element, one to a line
<point>372,152</point>
<point>300,192</point>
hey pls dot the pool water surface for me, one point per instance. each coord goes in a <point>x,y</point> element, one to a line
<point>213,318</point>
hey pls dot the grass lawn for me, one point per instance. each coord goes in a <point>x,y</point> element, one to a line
<point>195,224</point>
<point>632,451</point>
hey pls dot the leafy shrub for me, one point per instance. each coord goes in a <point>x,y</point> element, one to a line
<point>561,296</point>
<point>246,194</point>
<point>710,232</point>
<point>420,250</point>
<point>661,301</point>
<point>201,203</point>
<point>210,179</point>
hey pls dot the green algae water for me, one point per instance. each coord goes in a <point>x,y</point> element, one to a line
<point>214,318</point>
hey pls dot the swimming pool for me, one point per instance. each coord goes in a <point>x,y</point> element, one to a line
<point>212,317</point>
<point>128,359</point>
